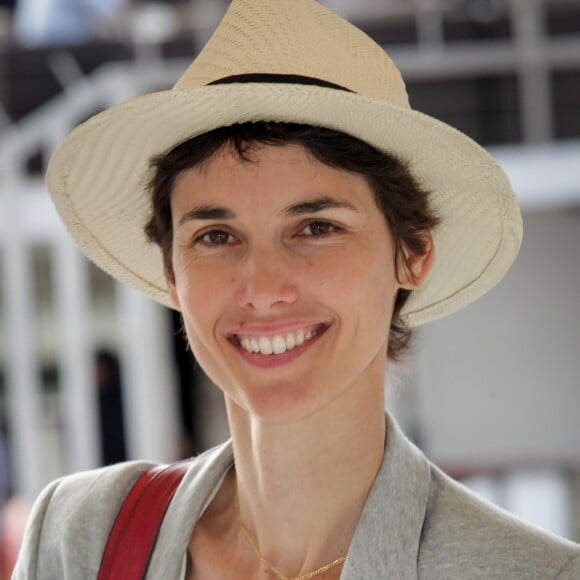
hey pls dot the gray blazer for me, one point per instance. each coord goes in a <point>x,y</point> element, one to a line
<point>417,523</point>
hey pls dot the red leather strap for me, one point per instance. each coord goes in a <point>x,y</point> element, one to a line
<point>134,533</point>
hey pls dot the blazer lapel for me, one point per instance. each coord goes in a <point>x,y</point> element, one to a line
<point>386,541</point>
<point>184,510</point>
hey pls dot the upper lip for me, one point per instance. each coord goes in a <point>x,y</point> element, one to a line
<point>274,329</point>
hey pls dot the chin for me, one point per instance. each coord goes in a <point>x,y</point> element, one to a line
<point>280,404</point>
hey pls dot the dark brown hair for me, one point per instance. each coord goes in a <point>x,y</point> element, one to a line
<point>403,202</point>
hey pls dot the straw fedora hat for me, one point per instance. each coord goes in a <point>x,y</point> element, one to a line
<point>289,61</point>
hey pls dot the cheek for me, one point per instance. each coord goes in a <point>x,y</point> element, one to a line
<point>206,296</point>
<point>191,282</point>
<point>196,300</point>
<point>364,281</point>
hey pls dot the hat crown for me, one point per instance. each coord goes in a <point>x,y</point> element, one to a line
<point>295,37</point>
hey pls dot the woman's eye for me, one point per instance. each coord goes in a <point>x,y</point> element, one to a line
<point>216,238</point>
<point>318,229</point>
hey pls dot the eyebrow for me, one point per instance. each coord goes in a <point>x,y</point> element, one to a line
<point>207,212</point>
<point>316,205</point>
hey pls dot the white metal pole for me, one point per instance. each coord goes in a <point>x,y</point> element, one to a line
<point>540,496</point>
<point>534,79</point>
<point>148,378</point>
<point>429,22</point>
<point>23,383</point>
<point>76,364</point>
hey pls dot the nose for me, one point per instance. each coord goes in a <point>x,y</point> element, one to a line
<point>267,282</point>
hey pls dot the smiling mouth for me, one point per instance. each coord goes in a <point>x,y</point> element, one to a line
<point>277,344</point>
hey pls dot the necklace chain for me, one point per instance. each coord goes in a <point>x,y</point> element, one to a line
<point>271,566</point>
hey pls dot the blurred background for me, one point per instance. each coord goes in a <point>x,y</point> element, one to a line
<point>92,373</point>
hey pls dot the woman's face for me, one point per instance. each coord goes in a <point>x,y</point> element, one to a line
<point>288,257</point>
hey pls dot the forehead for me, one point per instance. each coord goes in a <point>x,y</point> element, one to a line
<point>253,157</point>
<point>261,171</point>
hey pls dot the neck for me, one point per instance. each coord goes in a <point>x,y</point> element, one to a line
<point>302,485</point>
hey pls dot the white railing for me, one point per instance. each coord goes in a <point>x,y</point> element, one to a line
<point>137,326</point>
<point>28,218</point>
<point>543,176</point>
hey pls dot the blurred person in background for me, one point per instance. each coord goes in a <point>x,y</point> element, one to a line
<point>5,465</point>
<point>39,23</point>
<point>13,518</point>
<point>303,220</point>
<point>13,511</point>
<point>111,418</point>
<point>6,10</point>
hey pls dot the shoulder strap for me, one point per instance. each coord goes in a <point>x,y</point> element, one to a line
<point>134,533</point>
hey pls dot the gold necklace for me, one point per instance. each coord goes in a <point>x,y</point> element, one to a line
<point>271,566</point>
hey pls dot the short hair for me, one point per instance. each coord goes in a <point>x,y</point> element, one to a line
<point>401,199</point>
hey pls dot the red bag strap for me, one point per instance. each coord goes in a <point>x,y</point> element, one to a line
<point>134,533</point>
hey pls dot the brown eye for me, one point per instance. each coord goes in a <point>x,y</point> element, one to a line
<point>216,238</point>
<point>318,229</point>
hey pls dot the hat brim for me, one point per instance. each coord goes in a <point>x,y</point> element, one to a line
<point>98,179</point>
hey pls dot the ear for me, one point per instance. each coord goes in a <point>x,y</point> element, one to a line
<point>174,297</point>
<point>170,280</point>
<point>415,268</point>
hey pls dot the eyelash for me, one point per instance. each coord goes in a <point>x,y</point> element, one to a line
<point>328,225</point>
<point>330,230</point>
<point>202,241</point>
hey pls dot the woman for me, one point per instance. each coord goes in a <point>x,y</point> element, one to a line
<point>303,218</point>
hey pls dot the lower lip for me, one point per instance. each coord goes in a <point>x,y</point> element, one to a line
<point>268,361</point>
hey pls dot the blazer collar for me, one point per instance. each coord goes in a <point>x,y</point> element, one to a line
<point>388,535</point>
<point>386,540</point>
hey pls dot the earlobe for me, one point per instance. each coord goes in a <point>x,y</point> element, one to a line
<point>174,297</point>
<point>170,281</point>
<point>416,267</point>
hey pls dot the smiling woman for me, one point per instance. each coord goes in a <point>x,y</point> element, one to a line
<point>303,218</point>
<point>252,271</point>
<point>403,202</point>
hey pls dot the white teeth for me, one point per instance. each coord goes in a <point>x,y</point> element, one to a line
<point>277,344</point>
<point>265,346</point>
<point>290,341</point>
